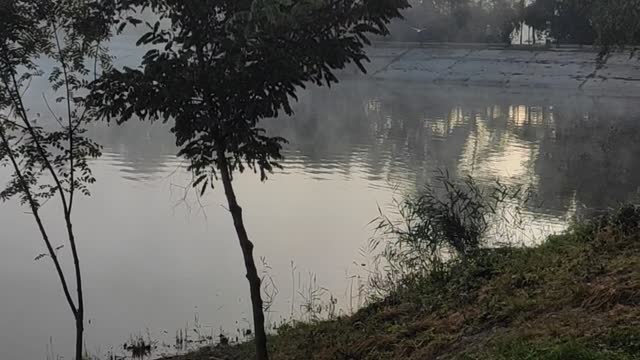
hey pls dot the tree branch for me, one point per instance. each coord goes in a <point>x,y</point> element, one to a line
<point>70,131</point>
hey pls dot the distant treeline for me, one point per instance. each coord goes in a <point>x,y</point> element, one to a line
<point>587,22</point>
<point>457,21</point>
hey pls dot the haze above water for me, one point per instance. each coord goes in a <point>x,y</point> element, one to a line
<point>154,257</point>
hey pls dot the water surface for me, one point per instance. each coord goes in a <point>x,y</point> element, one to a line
<point>156,258</point>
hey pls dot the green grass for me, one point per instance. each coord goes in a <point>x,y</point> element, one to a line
<point>575,297</point>
<point>568,350</point>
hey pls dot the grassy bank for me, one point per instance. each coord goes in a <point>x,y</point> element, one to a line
<point>576,296</point>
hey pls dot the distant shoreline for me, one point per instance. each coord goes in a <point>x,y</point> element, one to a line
<point>502,46</point>
<point>567,68</point>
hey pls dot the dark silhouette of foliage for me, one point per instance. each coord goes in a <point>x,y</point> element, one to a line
<point>608,23</point>
<point>566,21</point>
<point>573,22</point>
<point>216,68</point>
<point>538,14</point>
<point>49,154</point>
<point>616,23</point>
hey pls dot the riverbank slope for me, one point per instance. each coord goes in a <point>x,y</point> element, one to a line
<point>576,296</point>
<point>566,68</point>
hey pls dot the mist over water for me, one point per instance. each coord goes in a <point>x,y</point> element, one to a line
<point>155,257</point>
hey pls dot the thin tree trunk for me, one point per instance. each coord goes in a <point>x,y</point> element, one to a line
<point>260,335</point>
<point>67,216</point>
<point>79,315</point>
<point>247,252</point>
<point>79,335</point>
<point>534,36</point>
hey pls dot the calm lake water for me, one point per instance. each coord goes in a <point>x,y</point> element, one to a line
<point>156,259</point>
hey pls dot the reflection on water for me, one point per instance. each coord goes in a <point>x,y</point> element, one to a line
<point>575,151</point>
<point>140,150</point>
<point>154,256</point>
